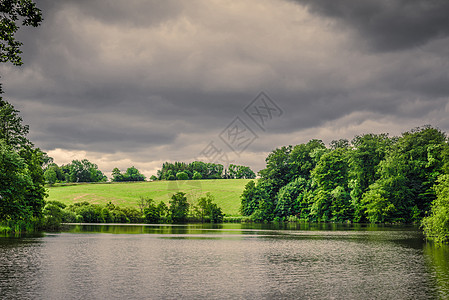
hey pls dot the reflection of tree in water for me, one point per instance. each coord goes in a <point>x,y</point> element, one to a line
<point>438,259</point>
<point>192,188</point>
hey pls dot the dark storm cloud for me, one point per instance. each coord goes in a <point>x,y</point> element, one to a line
<point>101,139</point>
<point>389,25</point>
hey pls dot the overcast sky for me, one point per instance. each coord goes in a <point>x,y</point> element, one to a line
<point>142,82</point>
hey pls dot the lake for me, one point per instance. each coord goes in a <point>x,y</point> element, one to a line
<point>225,261</point>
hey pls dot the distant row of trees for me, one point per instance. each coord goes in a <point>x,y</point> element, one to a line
<point>179,210</point>
<point>86,171</point>
<point>201,170</point>
<point>373,178</point>
<point>76,171</point>
<point>131,174</point>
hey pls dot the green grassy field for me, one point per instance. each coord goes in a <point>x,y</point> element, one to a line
<point>225,191</point>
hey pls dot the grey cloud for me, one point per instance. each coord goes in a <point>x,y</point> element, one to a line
<point>133,13</point>
<point>108,137</point>
<point>389,25</point>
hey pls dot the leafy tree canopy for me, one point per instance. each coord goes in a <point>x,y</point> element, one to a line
<point>131,174</point>
<point>13,14</point>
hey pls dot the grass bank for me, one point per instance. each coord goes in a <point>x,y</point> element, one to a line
<point>125,194</point>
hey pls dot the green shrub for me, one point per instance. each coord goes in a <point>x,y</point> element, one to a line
<point>182,176</point>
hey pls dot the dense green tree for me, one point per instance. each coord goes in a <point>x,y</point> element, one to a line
<point>36,191</point>
<point>258,201</point>
<point>408,173</point>
<point>196,176</point>
<point>84,171</point>
<point>240,172</point>
<point>287,203</point>
<point>275,195</point>
<point>21,185</point>
<point>79,171</point>
<point>106,216</point>
<point>214,213</point>
<point>436,225</point>
<point>162,210</point>
<point>50,176</point>
<point>277,170</point>
<point>89,213</point>
<point>249,200</point>
<point>169,175</point>
<point>207,211</point>
<point>301,160</point>
<point>14,181</point>
<point>341,143</point>
<point>182,176</point>
<point>119,216</point>
<point>12,131</point>
<point>179,208</point>
<point>132,215</point>
<point>28,161</point>
<point>169,170</point>
<point>199,167</point>
<point>378,207</point>
<point>132,174</point>
<point>369,150</point>
<point>214,171</point>
<point>320,206</point>
<point>264,199</point>
<point>151,212</point>
<point>332,170</point>
<point>117,176</point>
<point>53,213</point>
<point>13,11</point>
<point>143,202</point>
<point>60,177</point>
<point>330,179</point>
<point>341,207</point>
<point>201,170</point>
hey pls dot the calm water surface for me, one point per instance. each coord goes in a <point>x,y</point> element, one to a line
<point>230,261</point>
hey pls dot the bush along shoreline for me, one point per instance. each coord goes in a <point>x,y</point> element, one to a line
<point>204,210</point>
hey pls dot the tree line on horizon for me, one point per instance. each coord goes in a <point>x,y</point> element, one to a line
<point>76,171</point>
<point>86,171</point>
<point>201,170</point>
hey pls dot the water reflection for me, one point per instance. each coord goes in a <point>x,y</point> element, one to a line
<point>437,257</point>
<point>244,261</point>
